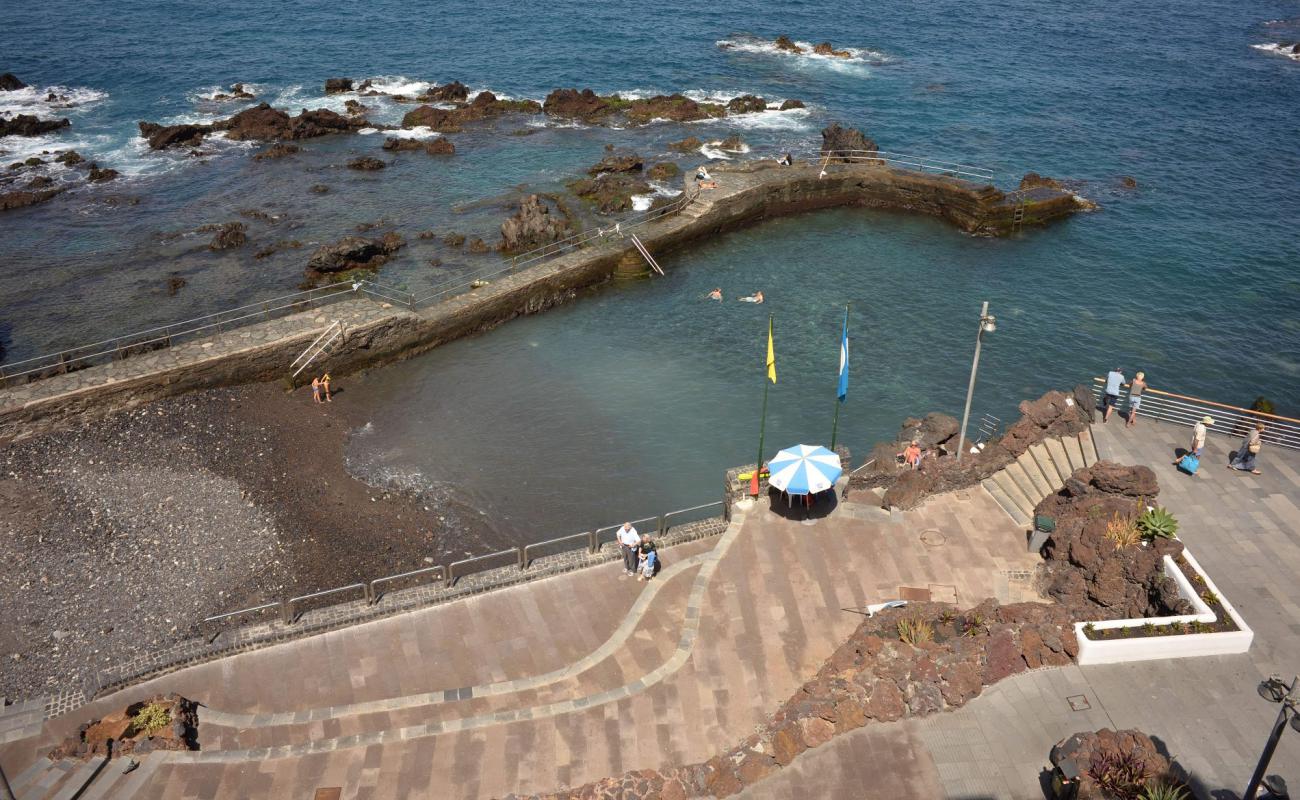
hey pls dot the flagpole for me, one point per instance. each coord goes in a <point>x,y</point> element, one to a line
<point>762,426</point>
<point>835,428</point>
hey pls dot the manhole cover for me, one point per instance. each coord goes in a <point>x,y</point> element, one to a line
<point>1078,702</point>
<point>932,538</point>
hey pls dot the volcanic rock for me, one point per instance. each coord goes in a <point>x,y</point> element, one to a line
<point>162,137</point>
<point>846,141</point>
<point>9,82</point>
<point>732,144</point>
<point>787,44</point>
<point>262,122</point>
<point>1033,180</point>
<point>338,85</point>
<point>454,92</point>
<point>277,150</point>
<point>454,239</point>
<point>20,198</point>
<point>620,161</point>
<point>611,192</point>
<point>478,246</point>
<point>574,104</point>
<point>825,49</point>
<point>672,107</point>
<point>353,252</point>
<point>440,146</point>
<point>237,92</point>
<point>438,119</point>
<point>97,175</point>
<point>746,104</point>
<point>174,284</point>
<point>394,143</point>
<point>688,145</point>
<point>533,225</point>
<point>366,163</point>
<point>319,188</point>
<point>355,107</point>
<point>29,125</point>
<point>789,104</point>
<point>1139,752</point>
<point>231,234</point>
<point>69,158</point>
<point>663,171</point>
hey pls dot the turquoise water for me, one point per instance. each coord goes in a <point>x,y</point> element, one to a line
<point>632,399</point>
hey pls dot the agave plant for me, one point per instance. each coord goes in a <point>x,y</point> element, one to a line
<point>915,631</point>
<point>1157,523</point>
<point>1162,790</point>
<point>1122,774</point>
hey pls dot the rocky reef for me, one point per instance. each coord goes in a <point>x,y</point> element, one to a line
<point>839,142</point>
<point>534,224</point>
<point>9,82</point>
<point>350,253</point>
<point>260,123</point>
<point>30,125</point>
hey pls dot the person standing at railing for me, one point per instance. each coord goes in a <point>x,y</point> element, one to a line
<point>1135,390</point>
<point>629,541</point>
<point>1114,381</point>
<point>1244,459</point>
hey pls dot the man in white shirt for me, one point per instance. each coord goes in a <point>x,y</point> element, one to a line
<point>628,541</point>
<point>1114,382</point>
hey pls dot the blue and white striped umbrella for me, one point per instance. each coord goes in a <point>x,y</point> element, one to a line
<point>804,469</point>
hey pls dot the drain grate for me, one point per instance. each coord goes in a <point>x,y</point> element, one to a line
<point>933,538</point>
<point>1078,702</point>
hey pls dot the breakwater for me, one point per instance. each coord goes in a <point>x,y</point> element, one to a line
<point>378,332</point>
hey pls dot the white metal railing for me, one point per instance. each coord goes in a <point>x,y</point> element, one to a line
<point>1229,420</point>
<point>924,163</point>
<point>334,331</point>
<point>636,241</point>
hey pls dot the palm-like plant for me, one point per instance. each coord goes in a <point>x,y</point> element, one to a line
<point>1157,523</point>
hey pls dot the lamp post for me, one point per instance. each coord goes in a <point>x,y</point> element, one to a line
<point>1274,690</point>
<point>988,324</point>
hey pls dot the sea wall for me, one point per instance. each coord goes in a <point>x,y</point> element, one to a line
<point>379,332</point>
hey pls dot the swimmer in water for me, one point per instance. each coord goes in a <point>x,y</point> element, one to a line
<point>716,294</point>
<point>756,297</point>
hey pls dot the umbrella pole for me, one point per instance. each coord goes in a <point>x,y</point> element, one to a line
<point>762,431</point>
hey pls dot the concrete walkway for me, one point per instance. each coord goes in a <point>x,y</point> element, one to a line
<point>573,678</point>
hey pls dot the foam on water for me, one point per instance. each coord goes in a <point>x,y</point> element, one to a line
<point>1278,48</point>
<point>856,63</point>
<point>418,132</point>
<point>31,100</point>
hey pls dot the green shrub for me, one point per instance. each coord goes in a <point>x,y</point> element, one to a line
<point>1157,523</point>
<point>1120,775</point>
<point>153,717</point>
<point>1161,790</point>
<point>974,625</point>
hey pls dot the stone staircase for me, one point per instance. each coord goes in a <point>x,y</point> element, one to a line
<point>1039,471</point>
<point>65,779</point>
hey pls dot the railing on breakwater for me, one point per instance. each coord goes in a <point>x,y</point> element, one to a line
<point>162,337</point>
<point>1228,420</point>
<point>903,160</point>
<point>372,591</point>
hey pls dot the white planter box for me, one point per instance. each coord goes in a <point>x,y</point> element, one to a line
<point>1149,648</point>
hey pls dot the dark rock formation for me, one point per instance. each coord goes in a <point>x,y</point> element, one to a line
<point>732,144</point>
<point>585,104</point>
<point>228,235</point>
<point>454,239</point>
<point>353,252</point>
<point>237,92</point>
<point>277,150</point>
<point>478,246</point>
<point>98,175</point>
<point>174,284</point>
<point>688,145</point>
<point>787,44</point>
<point>746,104</point>
<point>611,192</point>
<point>262,122</point>
<point>1053,414</point>
<point>21,198</point>
<point>338,85</point>
<point>1110,754</point>
<point>825,49</point>
<point>618,161</point>
<point>1033,180</point>
<point>319,188</point>
<point>484,106</point>
<point>354,107</point>
<point>673,107</point>
<point>1086,573</point>
<point>162,137</point>
<point>69,158</point>
<point>841,140</point>
<point>789,104</point>
<point>29,125</point>
<point>663,171</point>
<point>1128,181</point>
<point>395,144</point>
<point>434,147</point>
<point>366,163</point>
<point>440,147</point>
<point>533,225</point>
<point>454,92</point>
<point>9,82</point>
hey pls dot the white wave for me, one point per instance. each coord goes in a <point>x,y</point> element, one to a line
<point>552,122</point>
<point>715,153</point>
<point>793,119</point>
<point>749,44</point>
<point>208,94</point>
<point>32,100</point>
<point>744,148</point>
<point>395,84</point>
<point>1279,49</point>
<point>418,132</point>
<point>664,189</point>
<point>641,202</point>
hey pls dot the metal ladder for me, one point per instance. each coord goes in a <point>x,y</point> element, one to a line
<point>320,345</point>
<point>1018,216</point>
<point>636,241</point>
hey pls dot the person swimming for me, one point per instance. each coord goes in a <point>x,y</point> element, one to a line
<point>716,294</point>
<point>756,297</point>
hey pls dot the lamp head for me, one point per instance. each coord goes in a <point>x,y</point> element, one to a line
<point>1273,689</point>
<point>988,324</point>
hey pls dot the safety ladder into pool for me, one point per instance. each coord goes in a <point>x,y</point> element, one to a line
<point>314,350</point>
<point>636,241</point>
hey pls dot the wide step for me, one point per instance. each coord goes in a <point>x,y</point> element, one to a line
<point>1074,451</point>
<point>1048,467</point>
<point>1090,456</point>
<point>1008,506</point>
<point>1059,458</point>
<point>1013,492</point>
<point>1042,487</point>
<point>1024,483</point>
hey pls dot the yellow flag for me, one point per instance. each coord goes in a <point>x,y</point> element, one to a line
<point>771,353</point>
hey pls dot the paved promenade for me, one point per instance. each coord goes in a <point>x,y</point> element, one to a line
<point>589,674</point>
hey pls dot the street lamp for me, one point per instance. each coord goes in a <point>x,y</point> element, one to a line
<point>988,324</point>
<point>1275,691</point>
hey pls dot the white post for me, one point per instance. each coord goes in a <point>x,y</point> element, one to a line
<point>970,388</point>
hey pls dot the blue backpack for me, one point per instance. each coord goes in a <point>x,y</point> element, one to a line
<point>1189,464</point>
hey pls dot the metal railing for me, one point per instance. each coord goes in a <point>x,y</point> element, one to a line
<point>903,160</point>
<point>1228,420</point>
<point>316,347</point>
<point>522,557</point>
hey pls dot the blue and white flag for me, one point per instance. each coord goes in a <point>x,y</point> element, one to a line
<point>843,390</point>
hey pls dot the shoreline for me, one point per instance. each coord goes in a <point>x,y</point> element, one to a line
<point>119,537</point>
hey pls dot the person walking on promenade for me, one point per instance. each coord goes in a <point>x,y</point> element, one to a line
<point>1244,458</point>
<point>648,557</point>
<point>315,389</point>
<point>1135,390</point>
<point>325,384</point>
<point>1114,381</point>
<point>1199,430</point>
<point>629,541</point>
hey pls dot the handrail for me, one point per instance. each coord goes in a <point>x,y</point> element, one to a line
<point>922,162</point>
<point>588,538</point>
<point>452,574</point>
<point>1253,413</point>
<point>375,594</point>
<point>1234,421</point>
<point>286,608</point>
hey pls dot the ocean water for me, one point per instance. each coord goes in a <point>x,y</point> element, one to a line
<point>634,399</point>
